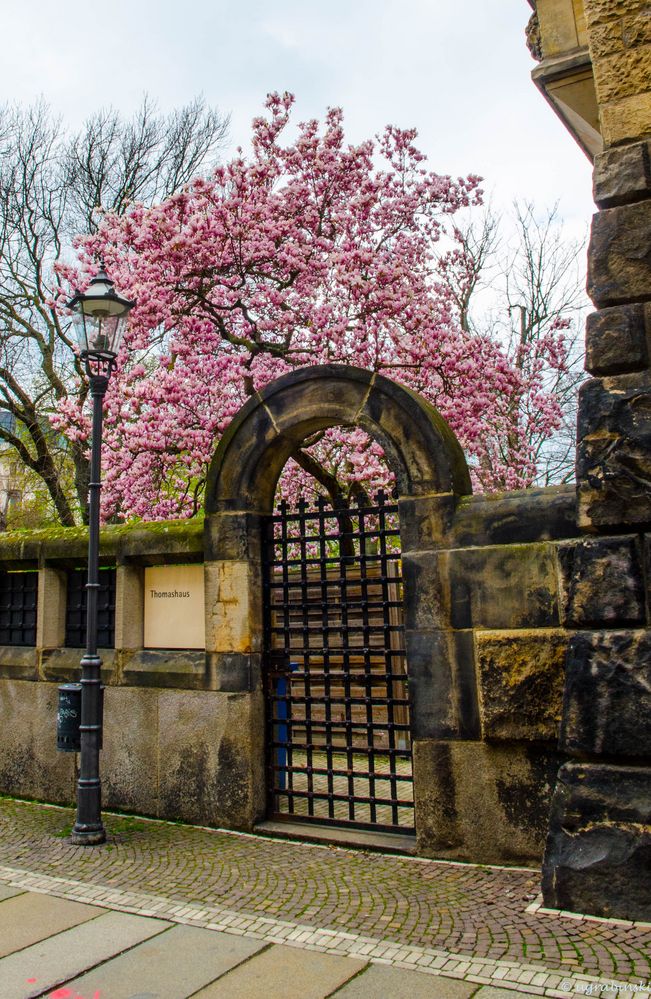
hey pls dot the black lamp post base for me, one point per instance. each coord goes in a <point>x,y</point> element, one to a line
<point>88,837</point>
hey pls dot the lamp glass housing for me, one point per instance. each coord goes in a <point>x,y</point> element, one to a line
<point>100,318</point>
<point>99,333</point>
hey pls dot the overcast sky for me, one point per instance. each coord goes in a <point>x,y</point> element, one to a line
<point>457,71</point>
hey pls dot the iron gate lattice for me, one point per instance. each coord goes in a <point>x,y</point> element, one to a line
<point>337,709</point>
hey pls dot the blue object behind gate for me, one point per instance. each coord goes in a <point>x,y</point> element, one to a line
<point>281,727</point>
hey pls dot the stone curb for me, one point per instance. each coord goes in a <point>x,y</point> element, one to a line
<point>538,909</point>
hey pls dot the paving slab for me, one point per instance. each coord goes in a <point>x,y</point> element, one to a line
<point>285,973</point>
<point>29,917</point>
<point>43,966</point>
<point>380,982</point>
<point>7,891</point>
<point>172,965</point>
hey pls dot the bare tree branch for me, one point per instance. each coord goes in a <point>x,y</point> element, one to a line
<point>52,186</point>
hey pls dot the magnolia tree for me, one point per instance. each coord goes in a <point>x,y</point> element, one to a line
<point>51,182</point>
<point>304,252</point>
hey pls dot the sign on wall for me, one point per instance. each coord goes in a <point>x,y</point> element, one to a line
<point>174,607</point>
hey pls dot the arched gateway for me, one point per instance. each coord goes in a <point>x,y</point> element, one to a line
<point>431,474</point>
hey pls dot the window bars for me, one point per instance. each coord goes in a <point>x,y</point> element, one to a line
<point>18,600</point>
<point>76,609</point>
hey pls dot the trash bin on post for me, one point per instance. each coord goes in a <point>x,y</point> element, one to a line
<point>69,718</point>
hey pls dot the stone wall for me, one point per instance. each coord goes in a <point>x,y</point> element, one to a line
<point>597,857</point>
<point>184,732</point>
<point>600,836</point>
<point>168,738</point>
<point>507,592</point>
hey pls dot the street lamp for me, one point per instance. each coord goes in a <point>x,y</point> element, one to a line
<point>100,317</point>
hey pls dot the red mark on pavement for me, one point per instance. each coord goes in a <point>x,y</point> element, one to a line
<point>66,993</point>
<point>32,980</point>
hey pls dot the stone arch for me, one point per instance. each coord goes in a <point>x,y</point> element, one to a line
<point>421,449</point>
<point>431,474</point>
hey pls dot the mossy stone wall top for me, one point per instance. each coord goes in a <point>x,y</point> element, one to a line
<point>151,542</point>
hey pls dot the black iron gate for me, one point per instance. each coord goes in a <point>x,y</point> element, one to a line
<point>338,734</point>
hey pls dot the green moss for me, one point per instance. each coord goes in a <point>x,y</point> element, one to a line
<point>25,544</point>
<point>156,527</point>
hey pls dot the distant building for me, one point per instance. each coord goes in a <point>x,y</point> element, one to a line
<point>12,486</point>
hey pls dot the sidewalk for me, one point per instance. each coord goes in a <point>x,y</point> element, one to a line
<point>164,910</point>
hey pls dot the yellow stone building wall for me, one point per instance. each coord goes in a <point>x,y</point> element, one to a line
<point>619,41</point>
<point>595,67</point>
<point>601,89</point>
<point>562,26</point>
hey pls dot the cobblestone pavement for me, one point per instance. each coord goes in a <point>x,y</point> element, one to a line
<point>432,910</point>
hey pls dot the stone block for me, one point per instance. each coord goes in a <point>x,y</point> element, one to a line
<point>626,119</point>
<point>636,28</point>
<point>312,402</point>
<point>605,40</point>
<point>425,521</point>
<point>507,586</point>
<point>521,677</point>
<point>607,705</point>
<point>602,582</point>
<point>232,535</point>
<point>234,672</point>
<point>233,482</point>
<point>609,10</point>
<point>18,662</point>
<point>508,786</point>
<point>623,74</point>
<point>622,175</point>
<point>558,27</point>
<point>229,624</point>
<point>211,749</point>
<point>619,258</point>
<point>599,843</point>
<point>51,613</point>
<point>442,684</point>
<point>64,665</point>
<point>426,589</point>
<point>129,606</point>
<point>515,518</point>
<point>183,669</point>
<point>614,452</point>
<point>129,759</point>
<point>617,339</point>
<point>157,542</point>
<point>30,765</point>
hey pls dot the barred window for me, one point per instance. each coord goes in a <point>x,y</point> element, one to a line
<point>18,600</point>
<point>76,609</point>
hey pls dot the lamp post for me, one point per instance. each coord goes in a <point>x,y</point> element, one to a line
<point>100,316</point>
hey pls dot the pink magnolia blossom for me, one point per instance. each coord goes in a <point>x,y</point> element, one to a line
<point>305,252</point>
